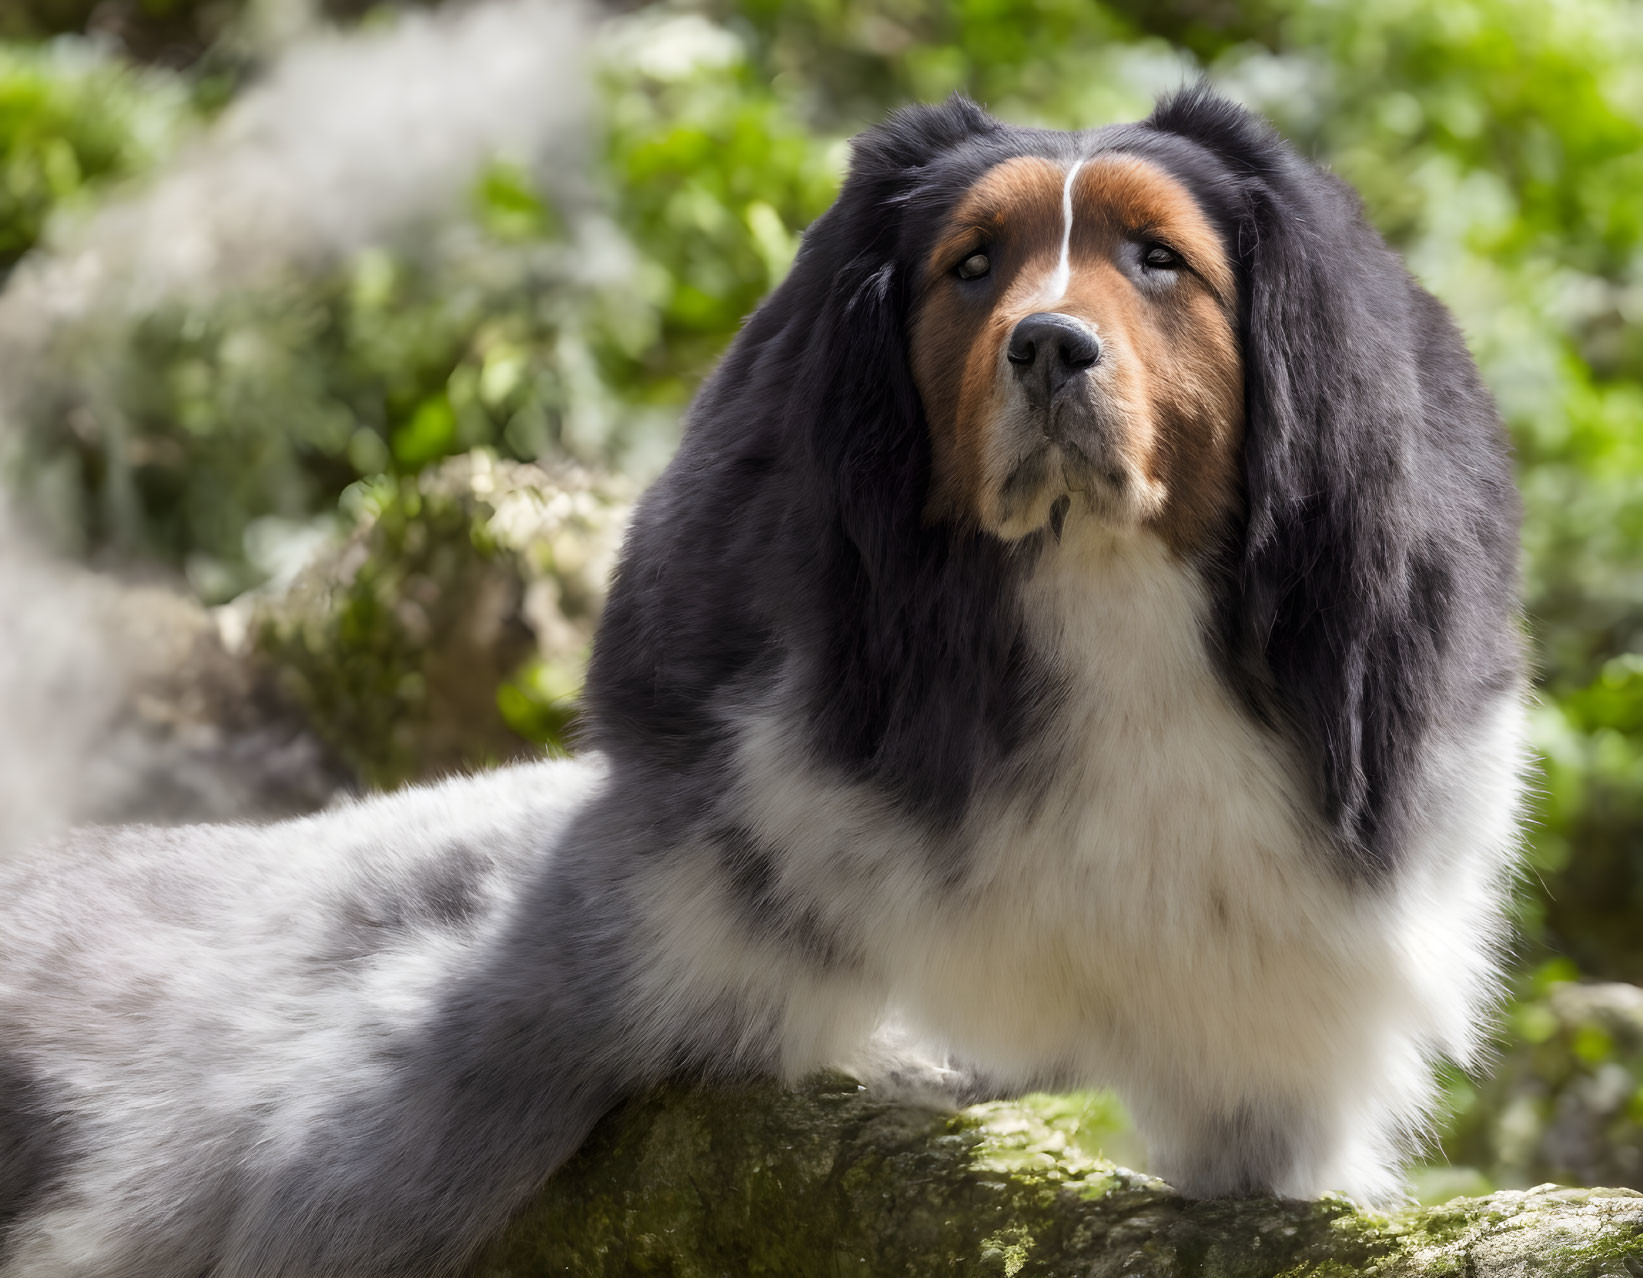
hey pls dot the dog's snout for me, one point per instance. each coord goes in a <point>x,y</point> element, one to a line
<point>1049,349</point>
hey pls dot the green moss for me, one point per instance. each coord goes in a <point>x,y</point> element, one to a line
<point>830,1182</point>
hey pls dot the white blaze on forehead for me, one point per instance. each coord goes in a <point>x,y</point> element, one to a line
<point>1055,288</point>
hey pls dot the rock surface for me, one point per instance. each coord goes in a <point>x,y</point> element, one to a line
<point>449,629</point>
<point>830,1182</point>
<point>123,701</point>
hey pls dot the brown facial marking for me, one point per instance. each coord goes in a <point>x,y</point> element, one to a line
<point>1015,211</point>
<point>1150,435</point>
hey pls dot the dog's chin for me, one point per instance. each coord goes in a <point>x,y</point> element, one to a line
<point>1116,499</point>
<point>1059,492</point>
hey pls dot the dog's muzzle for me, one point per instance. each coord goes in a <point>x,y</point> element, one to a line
<point>1063,424</point>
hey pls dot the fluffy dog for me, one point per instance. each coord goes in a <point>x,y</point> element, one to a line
<point>1079,623</point>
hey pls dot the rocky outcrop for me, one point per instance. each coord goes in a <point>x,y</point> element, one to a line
<point>830,1182</point>
<point>451,628</point>
<point>126,701</point>
<point>446,630</point>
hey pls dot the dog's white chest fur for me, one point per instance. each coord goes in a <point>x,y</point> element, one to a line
<point>1160,873</point>
<point>1151,902</point>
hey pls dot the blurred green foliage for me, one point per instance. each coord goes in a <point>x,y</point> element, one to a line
<point>71,122</point>
<point>450,628</point>
<point>271,402</point>
<point>1498,144</point>
<point>1564,1100</point>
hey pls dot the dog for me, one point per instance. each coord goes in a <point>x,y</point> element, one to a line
<point>1078,631</point>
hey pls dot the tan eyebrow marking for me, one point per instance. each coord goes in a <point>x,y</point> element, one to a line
<point>1124,194</point>
<point>1015,194</point>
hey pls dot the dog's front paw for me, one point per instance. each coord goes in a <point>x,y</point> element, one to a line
<point>895,1066</point>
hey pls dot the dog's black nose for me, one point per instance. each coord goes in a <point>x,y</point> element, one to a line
<point>1048,349</point>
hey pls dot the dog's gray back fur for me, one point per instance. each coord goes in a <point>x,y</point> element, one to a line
<point>186,1015</point>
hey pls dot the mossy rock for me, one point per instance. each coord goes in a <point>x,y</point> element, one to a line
<point>833,1183</point>
<point>451,628</point>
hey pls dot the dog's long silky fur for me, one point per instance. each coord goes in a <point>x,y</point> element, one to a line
<point>1228,830</point>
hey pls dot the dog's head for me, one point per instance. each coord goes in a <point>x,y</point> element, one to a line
<point>1062,312</point>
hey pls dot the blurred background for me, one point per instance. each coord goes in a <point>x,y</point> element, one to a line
<point>335,339</point>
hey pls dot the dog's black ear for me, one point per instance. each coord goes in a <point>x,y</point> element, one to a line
<point>788,532</point>
<point>837,326</point>
<point>866,424</point>
<point>1374,604</point>
<point>909,138</point>
<point>852,396</point>
<point>915,631</point>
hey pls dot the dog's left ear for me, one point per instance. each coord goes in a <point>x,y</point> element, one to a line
<point>790,522</point>
<point>1374,606</point>
<point>865,421</point>
<point>919,649</point>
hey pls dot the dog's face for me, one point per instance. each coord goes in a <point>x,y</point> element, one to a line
<point>1074,340</point>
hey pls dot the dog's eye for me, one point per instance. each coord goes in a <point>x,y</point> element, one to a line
<point>1159,258</point>
<point>974,266</point>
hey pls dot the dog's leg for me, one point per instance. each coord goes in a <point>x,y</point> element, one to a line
<point>898,1064</point>
<point>1293,1146</point>
<point>627,963</point>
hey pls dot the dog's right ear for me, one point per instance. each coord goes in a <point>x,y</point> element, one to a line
<point>911,137</point>
<point>792,519</point>
<point>885,165</point>
<point>1377,573</point>
<point>854,398</point>
<point>895,590</point>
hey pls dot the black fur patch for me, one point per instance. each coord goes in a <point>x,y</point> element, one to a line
<point>34,1147</point>
<point>447,889</point>
<point>750,869</point>
<point>1371,602</point>
<point>445,892</point>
